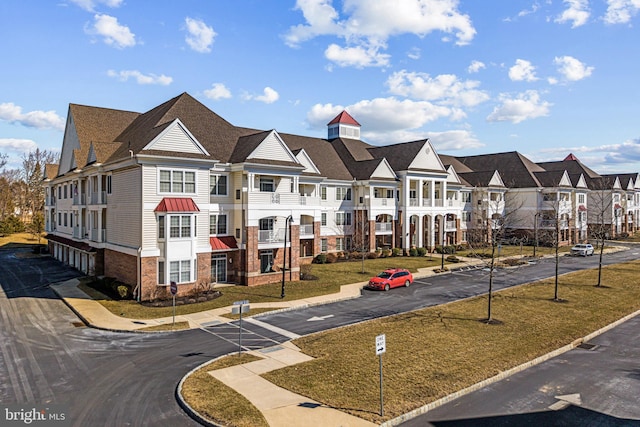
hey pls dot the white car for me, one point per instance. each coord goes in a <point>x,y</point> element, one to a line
<point>582,249</point>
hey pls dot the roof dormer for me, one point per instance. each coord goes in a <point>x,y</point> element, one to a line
<point>343,126</point>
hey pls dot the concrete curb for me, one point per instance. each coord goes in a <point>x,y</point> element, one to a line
<point>195,415</point>
<point>502,375</point>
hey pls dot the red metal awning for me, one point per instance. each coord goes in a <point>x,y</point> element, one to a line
<point>177,204</point>
<point>223,243</point>
<point>617,206</point>
<point>581,208</point>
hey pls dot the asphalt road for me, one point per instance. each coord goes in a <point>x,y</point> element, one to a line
<point>595,386</point>
<point>118,379</point>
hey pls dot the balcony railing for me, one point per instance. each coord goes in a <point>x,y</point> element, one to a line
<point>266,198</point>
<point>99,198</point>
<point>271,236</point>
<point>94,234</point>
<point>413,202</point>
<point>309,200</point>
<point>450,225</point>
<point>78,232</point>
<point>80,199</point>
<point>384,226</point>
<point>306,229</point>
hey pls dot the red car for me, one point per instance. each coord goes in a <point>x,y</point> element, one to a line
<point>391,278</point>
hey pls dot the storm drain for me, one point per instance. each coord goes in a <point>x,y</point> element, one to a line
<point>78,324</point>
<point>587,346</point>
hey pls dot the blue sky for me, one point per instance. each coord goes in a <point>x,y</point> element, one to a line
<point>545,78</point>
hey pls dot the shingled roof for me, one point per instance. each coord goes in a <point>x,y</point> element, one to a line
<point>322,153</point>
<point>400,155</point>
<point>517,170</point>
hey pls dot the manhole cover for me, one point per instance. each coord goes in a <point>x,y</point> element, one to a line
<point>587,346</point>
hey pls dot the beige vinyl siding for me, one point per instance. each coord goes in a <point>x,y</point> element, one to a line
<point>176,139</point>
<point>272,149</point>
<point>123,211</point>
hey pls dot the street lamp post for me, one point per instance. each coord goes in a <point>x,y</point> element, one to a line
<point>284,253</point>
<point>535,232</point>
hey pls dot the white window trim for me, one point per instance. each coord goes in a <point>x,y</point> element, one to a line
<point>171,171</point>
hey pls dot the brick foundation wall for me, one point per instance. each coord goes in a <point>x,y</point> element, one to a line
<point>120,266</point>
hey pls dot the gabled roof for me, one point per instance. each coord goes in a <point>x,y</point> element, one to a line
<point>216,135</point>
<point>554,178</point>
<point>517,170</point>
<point>50,171</point>
<point>323,154</point>
<point>453,161</point>
<point>344,118</point>
<point>400,156</point>
<point>482,179</point>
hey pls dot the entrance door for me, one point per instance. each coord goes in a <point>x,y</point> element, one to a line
<point>219,268</point>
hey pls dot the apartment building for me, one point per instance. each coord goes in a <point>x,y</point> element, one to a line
<point>178,194</point>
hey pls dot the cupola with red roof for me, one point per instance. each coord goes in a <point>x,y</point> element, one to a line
<point>343,126</point>
<point>570,157</point>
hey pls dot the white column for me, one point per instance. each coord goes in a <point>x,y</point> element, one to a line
<point>419,191</point>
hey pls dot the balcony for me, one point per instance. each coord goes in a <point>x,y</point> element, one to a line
<point>306,230</point>
<point>267,198</point>
<point>99,198</point>
<point>80,199</point>
<point>271,236</point>
<point>309,201</point>
<point>450,225</point>
<point>384,227</point>
<point>413,202</point>
<point>78,232</point>
<point>382,202</point>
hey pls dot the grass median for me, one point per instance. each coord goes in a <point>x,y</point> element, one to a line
<point>436,351</point>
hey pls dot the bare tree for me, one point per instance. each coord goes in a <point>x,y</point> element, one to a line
<point>33,166</point>
<point>554,223</point>
<point>360,239</point>
<point>499,217</point>
<point>600,216</point>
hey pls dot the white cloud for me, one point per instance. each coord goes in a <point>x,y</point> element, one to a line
<point>357,56</point>
<point>217,91</point>
<point>445,89</point>
<point>368,25</point>
<point>621,11</point>
<point>269,96</point>
<point>112,32</point>
<point>572,69</point>
<point>18,146</point>
<point>577,13</point>
<point>454,140</point>
<point>381,116</point>
<point>475,66</point>
<point>524,106</point>
<point>607,158</point>
<point>523,70</point>
<point>37,119</point>
<point>200,37</point>
<point>90,5</point>
<point>142,79</point>
<point>414,53</point>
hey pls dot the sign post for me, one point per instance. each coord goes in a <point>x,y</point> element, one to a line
<point>381,348</point>
<point>173,287</point>
<point>240,307</point>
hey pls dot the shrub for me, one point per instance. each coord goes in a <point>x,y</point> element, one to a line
<point>331,258</point>
<point>396,252</point>
<point>385,253</point>
<point>413,252</point>
<point>372,255</point>
<point>452,258</point>
<point>320,259</point>
<point>422,251</point>
<point>124,291</point>
<point>450,249</point>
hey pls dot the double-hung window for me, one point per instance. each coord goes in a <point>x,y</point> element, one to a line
<point>177,181</point>
<point>180,271</point>
<point>180,226</point>
<point>343,218</point>
<point>343,193</point>
<point>218,224</point>
<point>218,185</point>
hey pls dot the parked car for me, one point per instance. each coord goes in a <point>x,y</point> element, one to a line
<point>391,278</point>
<point>582,249</point>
